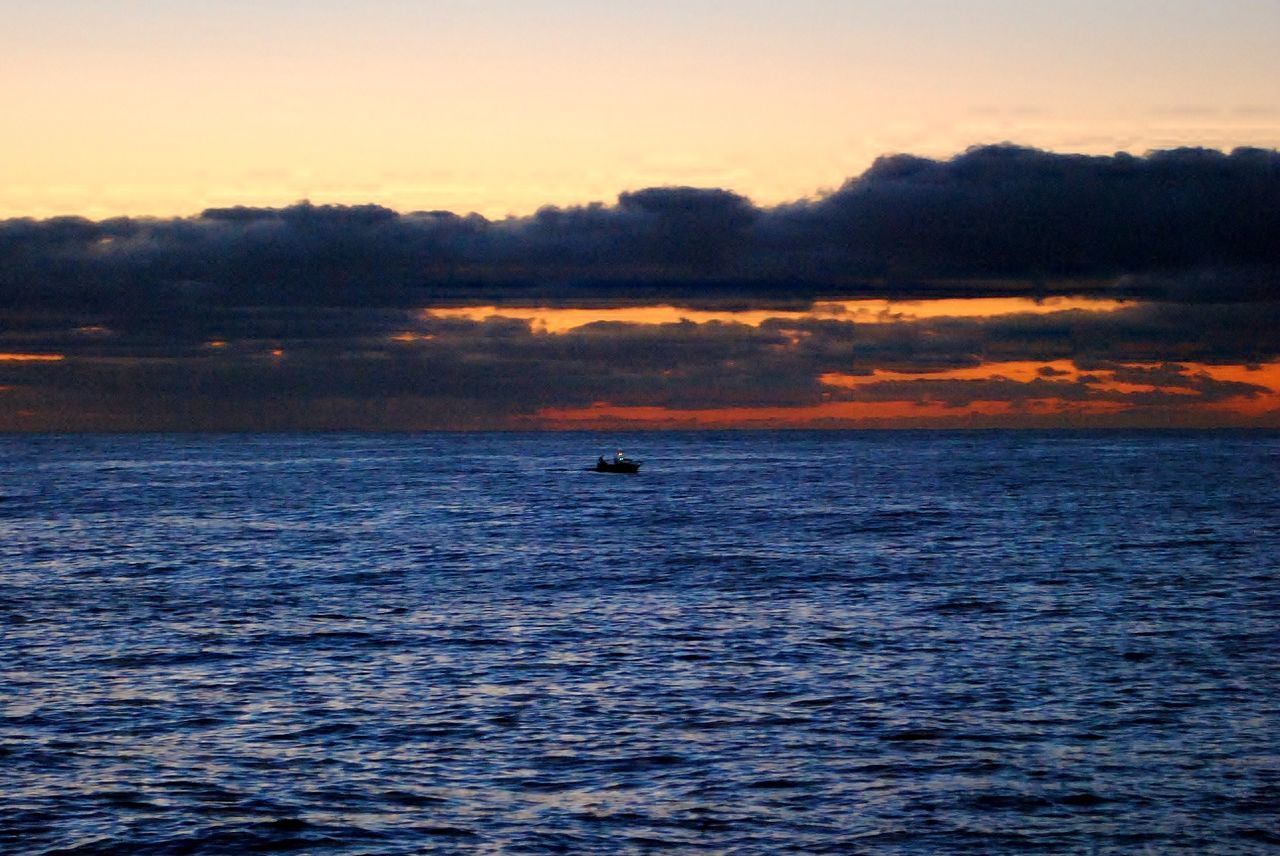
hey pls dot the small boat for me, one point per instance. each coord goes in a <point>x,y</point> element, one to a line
<point>619,464</point>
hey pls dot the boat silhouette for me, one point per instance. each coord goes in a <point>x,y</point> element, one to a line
<point>620,463</point>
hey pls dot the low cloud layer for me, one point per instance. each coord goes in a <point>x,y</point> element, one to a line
<point>997,219</point>
<point>314,317</point>
<point>443,372</point>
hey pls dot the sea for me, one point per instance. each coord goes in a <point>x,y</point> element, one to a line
<point>763,642</point>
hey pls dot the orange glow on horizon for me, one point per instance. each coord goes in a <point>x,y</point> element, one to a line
<point>31,358</point>
<point>1022,371</point>
<point>556,321</point>
<point>901,413</point>
<point>820,415</point>
<point>1267,375</point>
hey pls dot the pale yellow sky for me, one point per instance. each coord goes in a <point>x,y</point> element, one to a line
<point>148,107</point>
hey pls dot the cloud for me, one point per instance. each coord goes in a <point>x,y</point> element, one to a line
<point>1181,224</point>
<point>311,316</point>
<point>500,372</point>
<point>1177,387</point>
<point>1012,211</point>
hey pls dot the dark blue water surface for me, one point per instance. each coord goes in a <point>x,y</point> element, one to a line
<point>816,642</point>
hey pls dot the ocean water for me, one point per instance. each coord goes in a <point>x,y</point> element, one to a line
<point>762,643</point>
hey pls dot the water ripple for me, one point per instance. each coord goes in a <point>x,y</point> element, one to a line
<point>462,643</point>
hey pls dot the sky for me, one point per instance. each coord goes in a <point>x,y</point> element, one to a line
<point>495,214</point>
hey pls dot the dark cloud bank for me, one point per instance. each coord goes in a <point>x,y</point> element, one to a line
<point>1192,236</point>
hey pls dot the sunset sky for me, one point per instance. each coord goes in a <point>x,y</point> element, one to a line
<point>673,214</point>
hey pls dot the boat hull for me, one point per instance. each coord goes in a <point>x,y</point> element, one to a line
<point>618,467</point>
